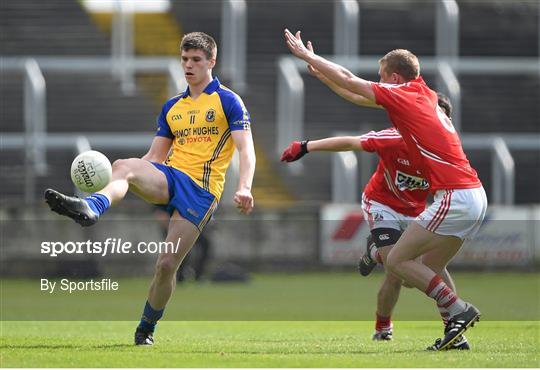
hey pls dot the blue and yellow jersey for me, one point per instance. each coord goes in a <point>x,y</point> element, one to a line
<point>201,132</point>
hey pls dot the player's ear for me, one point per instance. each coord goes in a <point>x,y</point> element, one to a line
<point>212,62</point>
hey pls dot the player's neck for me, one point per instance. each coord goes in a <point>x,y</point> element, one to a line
<point>196,90</point>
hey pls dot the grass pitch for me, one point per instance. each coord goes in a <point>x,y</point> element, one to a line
<point>302,320</point>
<point>262,344</point>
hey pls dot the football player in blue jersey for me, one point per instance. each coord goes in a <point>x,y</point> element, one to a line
<point>183,171</point>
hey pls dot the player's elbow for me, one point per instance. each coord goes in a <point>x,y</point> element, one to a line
<point>350,82</point>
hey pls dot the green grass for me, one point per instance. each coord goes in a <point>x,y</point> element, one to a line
<point>262,344</point>
<point>278,320</point>
<point>313,296</point>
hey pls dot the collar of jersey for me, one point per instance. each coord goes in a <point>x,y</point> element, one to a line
<point>418,79</point>
<point>209,89</point>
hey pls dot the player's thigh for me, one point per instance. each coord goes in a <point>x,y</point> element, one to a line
<point>437,258</point>
<point>147,182</point>
<point>181,234</point>
<point>416,241</point>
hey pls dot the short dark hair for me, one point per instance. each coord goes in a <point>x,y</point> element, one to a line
<point>445,104</point>
<point>402,62</point>
<point>200,41</point>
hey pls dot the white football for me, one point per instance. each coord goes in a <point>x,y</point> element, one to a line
<point>91,171</point>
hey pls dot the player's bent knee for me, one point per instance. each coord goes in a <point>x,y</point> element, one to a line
<point>392,262</point>
<point>166,268</point>
<point>127,168</point>
<point>122,167</point>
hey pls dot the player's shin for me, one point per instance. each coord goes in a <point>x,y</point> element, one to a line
<point>116,190</point>
<point>445,297</point>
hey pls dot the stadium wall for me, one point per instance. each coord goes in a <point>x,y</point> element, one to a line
<point>301,239</point>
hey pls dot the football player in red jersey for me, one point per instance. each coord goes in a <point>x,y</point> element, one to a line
<point>460,201</point>
<point>394,196</point>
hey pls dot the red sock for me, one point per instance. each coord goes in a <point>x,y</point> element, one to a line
<point>383,323</point>
<point>444,314</point>
<point>444,296</point>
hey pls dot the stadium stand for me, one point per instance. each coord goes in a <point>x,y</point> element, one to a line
<point>75,102</point>
<point>94,103</point>
<point>53,28</point>
<point>490,104</point>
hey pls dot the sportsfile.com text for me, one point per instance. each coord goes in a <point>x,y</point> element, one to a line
<point>109,246</point>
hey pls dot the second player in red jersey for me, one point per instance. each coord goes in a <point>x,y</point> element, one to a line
<point>397,182</point>
<point>393,197</point>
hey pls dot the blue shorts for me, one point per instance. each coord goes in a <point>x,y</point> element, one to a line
<point>190,200</point>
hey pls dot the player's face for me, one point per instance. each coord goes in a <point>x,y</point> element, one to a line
<point>388,78</point>
<point>196,66</point>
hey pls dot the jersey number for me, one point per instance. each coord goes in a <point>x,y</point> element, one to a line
<point>445,121</point>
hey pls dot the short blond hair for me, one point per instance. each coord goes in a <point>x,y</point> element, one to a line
<point>402,62</point>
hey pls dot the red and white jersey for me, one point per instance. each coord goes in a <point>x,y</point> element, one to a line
<point>397,182</point>
<point>433,143</point>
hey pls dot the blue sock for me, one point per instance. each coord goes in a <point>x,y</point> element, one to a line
<point>150,318</point>
<point>98,203</point>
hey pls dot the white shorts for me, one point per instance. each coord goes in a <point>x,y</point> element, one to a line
<point>380,216</point>
<point>457,212</point>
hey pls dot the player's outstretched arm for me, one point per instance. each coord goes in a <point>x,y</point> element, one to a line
<point>344,93</point>
<point>347,94</point>
<point>341,76</point>
<point>335,144</point>
<point>297,149</point>
<point>244,144</point>
<point>158,150</point>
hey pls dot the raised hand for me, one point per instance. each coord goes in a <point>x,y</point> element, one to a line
<point>296,45</point>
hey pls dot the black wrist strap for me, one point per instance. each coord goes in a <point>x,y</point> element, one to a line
<point>303,145</point>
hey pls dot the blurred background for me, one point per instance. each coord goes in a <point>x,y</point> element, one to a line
<point>76,75</point>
